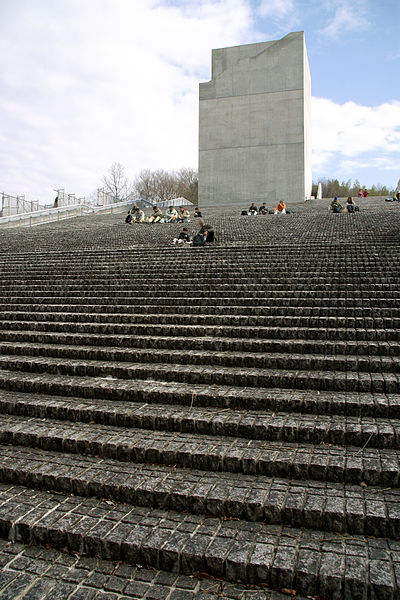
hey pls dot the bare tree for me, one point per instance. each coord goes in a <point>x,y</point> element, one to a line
<point>144,185</point>
<point>116,182</point>
<point>188,184</point>
<point>165,185</point>
<point>160,185</point>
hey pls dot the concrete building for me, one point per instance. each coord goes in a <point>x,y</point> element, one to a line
<point>255,124</point>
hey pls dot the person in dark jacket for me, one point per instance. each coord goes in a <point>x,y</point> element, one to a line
<point>183,238</point>
<point>336,207</point>
<point>207,231</point>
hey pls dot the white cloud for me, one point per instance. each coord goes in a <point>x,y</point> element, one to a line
<point>358,137</point>
<point>348,16</point>
<point>85,84</point>
<point>277,9</point>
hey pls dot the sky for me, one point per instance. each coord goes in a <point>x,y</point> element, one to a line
<point>87,83</point>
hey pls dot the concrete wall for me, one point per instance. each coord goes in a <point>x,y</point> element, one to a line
<point>254,130</point>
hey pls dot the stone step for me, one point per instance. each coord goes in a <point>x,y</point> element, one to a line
<point>204,292</point>
<point>187,305</point>
<point>381,302</point>
<point>343,508</point>
<point>351,381</point>
<point>150,391</point>
<point>279,360</point>
<point>221,285</point>
<point>246,259</point>
<point>311,562</point>
<point>235,280</point>
<point>346,293</point>
<point>326,328</point>
<point>304,292</point>
<point>36,572</point>
<point>210,343</point>
<point>264,425</point>
<point>217,315</point>
<point>372,466</point>
<point>223,256</point>
<point>235,271</point>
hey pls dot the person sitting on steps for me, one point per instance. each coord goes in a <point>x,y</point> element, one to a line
<point>205,235</point>
<point>280,208</point>
<point>156,216</point>
<point>263,210</point>
<point>253,209</point>
<point>138,215</point>
<point>351,206</point>
<point>336,207</point>
<point>183,215</point>
<point>183,238</point>
<point>172,215</point>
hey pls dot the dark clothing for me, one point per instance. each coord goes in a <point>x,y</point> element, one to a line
<point>184,236</point>
<point>208,232</point>
<point>336,207</point>
<point>199,240</point>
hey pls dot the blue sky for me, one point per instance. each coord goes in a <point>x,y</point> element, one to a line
<point>85,83</point>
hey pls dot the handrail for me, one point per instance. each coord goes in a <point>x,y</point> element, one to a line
<point>46,215</point>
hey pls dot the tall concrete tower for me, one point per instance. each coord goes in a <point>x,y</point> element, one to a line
<point>255,124</point>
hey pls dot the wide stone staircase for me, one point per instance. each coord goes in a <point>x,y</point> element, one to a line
<point>198,423</point>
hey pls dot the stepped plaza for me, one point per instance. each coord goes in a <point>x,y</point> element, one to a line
<point>198,423</point>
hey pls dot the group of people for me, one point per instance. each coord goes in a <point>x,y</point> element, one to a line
<point>280,209</point>
<point>204,236</point>
<point>350,207</point>
<point>362,193</point>
<point>136,215</point>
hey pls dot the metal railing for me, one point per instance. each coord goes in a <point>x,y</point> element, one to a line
<point>14,205</point>
<point>47,215</point>
<point>62,199</point>
<point>166,203</point>
<point>79,209</point>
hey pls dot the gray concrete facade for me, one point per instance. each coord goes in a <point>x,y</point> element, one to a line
<point>255,124</point>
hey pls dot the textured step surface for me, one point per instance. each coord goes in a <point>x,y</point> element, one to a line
<point>156,392</point>
<point>35,572</point>
<point>220,422</point>
<point>293,427</point>
<point>311,562</point>
<point>213,453</point>
<point>325,506</point>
